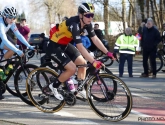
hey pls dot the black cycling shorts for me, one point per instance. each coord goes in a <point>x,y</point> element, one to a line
<point>62,54</point>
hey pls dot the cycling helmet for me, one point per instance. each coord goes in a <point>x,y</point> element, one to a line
<point>9,12</point>
<point>86,7</point>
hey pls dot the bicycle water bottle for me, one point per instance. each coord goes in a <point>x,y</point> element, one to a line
<point>70,85</point>
<point>9,68</point>
<point>2,75</point>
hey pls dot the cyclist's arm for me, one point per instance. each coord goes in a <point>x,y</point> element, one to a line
<point>19,36</point>
<point>99,44</point>
<point>95,39</point>
<point>76,37</point>
<point>7,43</point>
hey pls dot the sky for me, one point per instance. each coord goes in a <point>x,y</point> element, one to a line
<point>20,4</point>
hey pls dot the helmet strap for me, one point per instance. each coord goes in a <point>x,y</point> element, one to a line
<point>82,19</point>
<point>4,19</point>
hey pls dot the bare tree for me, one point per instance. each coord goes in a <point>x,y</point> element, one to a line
<point>161,13</point>
<point>106,17</point>
<point>50,11</point>
<point>123,13</point>
<point>157,19</point>
<point>130,15</point>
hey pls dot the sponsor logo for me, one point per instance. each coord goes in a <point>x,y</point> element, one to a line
<point>59,34</point>
<point>78,27</point>
<point>71,27</point>
<point>63,55</point>
<point>78,37</point>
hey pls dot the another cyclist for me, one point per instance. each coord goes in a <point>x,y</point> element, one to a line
<point>7,21</point>
<point>66,54</point>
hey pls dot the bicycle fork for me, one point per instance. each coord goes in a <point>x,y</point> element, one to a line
<point>100,84</point>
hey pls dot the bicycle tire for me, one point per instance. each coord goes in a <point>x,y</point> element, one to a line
<point>21,87</point>
<point>111,99</point>
<point>2,87</point>
<point>36,95</point>
<point>159,57</point>
<point>11,91</point>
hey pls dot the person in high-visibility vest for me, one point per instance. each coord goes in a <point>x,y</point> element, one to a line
<point>127,44</point>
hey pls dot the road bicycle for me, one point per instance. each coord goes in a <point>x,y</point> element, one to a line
<point>108,96</point>
<point>51,63</point>
<point>20,70</point>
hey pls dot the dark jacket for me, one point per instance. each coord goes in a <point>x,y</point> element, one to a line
<point>150,38</point>
<point>43,45</point>
<point>99,34</point>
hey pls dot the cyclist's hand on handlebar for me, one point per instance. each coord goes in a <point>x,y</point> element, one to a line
<point>20,53</point>
<point>111,55</point>
<point>97,64</point>
<point>32,47</point>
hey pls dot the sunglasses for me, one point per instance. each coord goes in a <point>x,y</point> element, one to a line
<point>89,15</point>
<point>11,17</point>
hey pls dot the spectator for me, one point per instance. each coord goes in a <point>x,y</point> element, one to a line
<point>98,31</point>
<point>24,30</point>
<point>43,46</point>
<point>100,35</point>
<point>149,42</point>
<point>127,43</point>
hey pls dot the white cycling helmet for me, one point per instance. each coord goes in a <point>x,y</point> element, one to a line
<point>9,12</point>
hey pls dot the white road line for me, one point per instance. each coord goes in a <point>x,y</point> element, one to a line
<point>139,113</point>
<point>12,102</point>
<point>62,113</point>
<point>140,96</point>
<point>75,122</point>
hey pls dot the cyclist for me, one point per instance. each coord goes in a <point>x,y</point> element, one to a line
<point>66,54</point>
<point>7,21</point>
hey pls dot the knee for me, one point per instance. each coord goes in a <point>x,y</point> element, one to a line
<point>72,69</point>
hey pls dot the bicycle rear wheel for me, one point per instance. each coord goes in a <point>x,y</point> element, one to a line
<point>109,105</point>
<point>40,94</point>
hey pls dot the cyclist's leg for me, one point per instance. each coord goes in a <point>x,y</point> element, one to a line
<point>77,58</point>
<point>63,60</point>
<point>9,52</point>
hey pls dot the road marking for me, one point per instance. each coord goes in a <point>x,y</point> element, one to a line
<point>139,113</point>
<point>62,113</point>
<point>75,122</point>
<point>140,96</point>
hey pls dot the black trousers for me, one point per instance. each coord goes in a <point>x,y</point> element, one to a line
<point>152,55</point>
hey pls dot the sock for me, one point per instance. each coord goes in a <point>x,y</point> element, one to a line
<point>80,81</point>
<point>56,83</point>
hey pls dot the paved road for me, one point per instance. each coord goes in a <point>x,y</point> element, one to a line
<point>148,105</point>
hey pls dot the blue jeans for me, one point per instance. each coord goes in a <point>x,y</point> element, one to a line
<point>123,58</point>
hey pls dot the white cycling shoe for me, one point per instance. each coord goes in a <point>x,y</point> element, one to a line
<point>55,92</point>
<point>83,93</point>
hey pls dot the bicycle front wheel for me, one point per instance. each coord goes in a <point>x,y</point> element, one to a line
<point>109,105</point>
<point>20,81</point>
<point>37,86</point>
